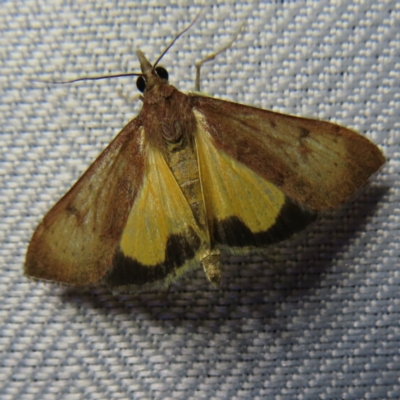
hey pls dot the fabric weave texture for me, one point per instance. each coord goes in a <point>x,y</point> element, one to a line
<point>317,317</point>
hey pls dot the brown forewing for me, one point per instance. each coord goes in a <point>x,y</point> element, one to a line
<point>317,163</point>
<point>77,239</point>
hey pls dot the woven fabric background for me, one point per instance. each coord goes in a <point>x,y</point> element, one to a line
<point>316,318</point>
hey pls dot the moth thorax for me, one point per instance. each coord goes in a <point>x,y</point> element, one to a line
<point>176,144</point>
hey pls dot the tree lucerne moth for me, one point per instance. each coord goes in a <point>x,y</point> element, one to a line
<point>189,177</point>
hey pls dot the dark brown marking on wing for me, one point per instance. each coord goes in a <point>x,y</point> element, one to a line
<point>233,232</point>
<point>71,209</point>
<point>180,248</point>
<point>304,133</point>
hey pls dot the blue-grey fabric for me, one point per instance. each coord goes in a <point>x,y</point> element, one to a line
<point>317,317</point>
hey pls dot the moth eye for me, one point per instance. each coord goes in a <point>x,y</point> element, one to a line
<point>141,84</point>
<point>162,73</point>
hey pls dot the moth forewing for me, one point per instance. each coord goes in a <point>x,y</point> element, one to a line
<point>76,240</point>
<point>317,163</point>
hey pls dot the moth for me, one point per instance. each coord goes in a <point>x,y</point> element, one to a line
<point>190,177</point>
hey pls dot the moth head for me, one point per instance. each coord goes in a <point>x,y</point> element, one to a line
<point>153,75</point>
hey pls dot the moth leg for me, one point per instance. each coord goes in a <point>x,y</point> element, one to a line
<point>211,57</point>
<point>165,292</point>
<point>212,266</point>
<point>127,98</point>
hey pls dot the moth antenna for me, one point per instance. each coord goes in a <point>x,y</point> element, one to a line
<point>212,56</point>
<point>96,78</point>
<point>89,78</point>
<point>177,37</point>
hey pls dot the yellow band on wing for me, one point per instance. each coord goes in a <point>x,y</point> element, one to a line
<point>160,211</point>
<point>231,189</point>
